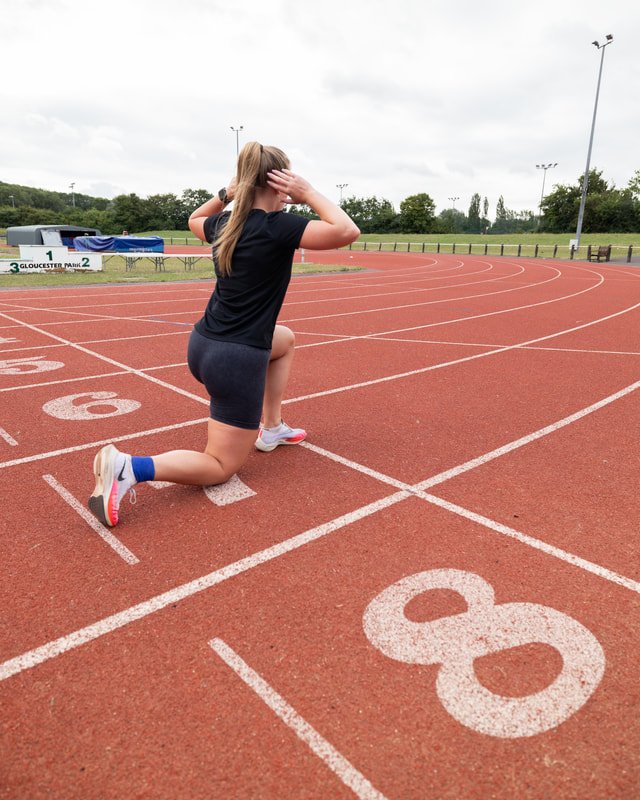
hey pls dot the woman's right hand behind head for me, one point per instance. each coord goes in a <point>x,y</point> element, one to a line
<point>287,183</point>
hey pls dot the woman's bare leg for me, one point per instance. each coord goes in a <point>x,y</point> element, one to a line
<point>282,351</point>
<point>226,451</point>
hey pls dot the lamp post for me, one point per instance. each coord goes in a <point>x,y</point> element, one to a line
<point>13,200</point>
<point>341,186</point>
<point>73,196</point>
<point>453,200</point>
<point>237,132</point>
<point>585,182</point>
<point>545,167</point>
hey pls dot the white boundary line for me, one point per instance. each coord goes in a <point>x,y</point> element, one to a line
<point>537,544</point>
<point>89,445</point>
<point>84,635</point>
<point>113,362</point>
<point>468,297</point>
<point>8,438</point>
<point>325,751</point>
<point>91,632</point>
<point>119,620</point>
<point>323,393</point>
<point>104,533</point>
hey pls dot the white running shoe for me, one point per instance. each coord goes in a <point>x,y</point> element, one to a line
<point>269,438</point>
<point>114,478</point>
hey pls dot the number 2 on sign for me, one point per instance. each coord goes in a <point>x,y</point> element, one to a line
<point>456,641</point>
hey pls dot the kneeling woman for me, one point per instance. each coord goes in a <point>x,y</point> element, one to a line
<point>236,349</point>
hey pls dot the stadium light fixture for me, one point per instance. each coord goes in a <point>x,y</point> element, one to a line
<point>544,167</point>
<point>73,196</point>
<point>453,200</point>
<point>237,132</point>
<point>585,181</point>
<point>341,186</point>
<point>13,200</point>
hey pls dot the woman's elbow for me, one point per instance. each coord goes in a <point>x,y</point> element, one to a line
<point>196,226</point>
<point>351,233</point>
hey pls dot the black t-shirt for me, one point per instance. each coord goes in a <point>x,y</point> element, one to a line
<point>245,305</point>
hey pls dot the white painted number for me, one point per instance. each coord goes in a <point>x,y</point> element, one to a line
<point>78,406</point>
<point>455,641</point>
<point>21,366</point>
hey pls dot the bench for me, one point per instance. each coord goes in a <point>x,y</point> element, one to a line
<point>603,252</point>
<point>131,259</point>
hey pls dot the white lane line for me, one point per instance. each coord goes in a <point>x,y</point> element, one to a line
<point>445,300</point>
<point>113,362</point>
<point>71,641</point>
<point>325,393</point>
<point>526,539</point>
<point>391,292</point>
<point>63,380</point>
<point>90,377</point>
<point>184,332</point>
<point>91,445</point>
<point>570,296</point>
<point>8,438</point>
<point>104,533</point>
<point>494,344</point>
<point>473,463</point>
<point>65,309</point>
<point>525,440</point>
<point>326,752</point>
<point>537,544</point>
<point>442,364</point>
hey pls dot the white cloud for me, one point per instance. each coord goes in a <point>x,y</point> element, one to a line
<point>393,99</point>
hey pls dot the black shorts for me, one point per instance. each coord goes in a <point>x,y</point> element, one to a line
<point>234,375</point>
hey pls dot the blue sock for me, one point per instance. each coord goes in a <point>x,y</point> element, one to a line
<point>143,468</point>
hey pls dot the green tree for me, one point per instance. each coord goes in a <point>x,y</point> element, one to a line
<point>164,212</point>
<point>474,223</point>
<point>417,214</point>
<point>450,220</point>
<point>303,211</point>
<point>129,213</point>
<point>634,185</point>
<point>607,209</point>
<point>371,215</point>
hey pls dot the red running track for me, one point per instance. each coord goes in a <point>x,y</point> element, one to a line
<point>436,596</point>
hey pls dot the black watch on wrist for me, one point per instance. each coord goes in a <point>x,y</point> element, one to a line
<point>223,197</point>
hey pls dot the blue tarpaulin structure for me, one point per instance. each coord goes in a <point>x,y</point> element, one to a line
<point>120,244</point>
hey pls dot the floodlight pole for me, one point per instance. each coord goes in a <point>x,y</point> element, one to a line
<point>341,186</point>
<point>237,132</point>
<point>73,196</point>
<point>13,200</point>
<point>545,167</point>
<point>585,181</point>
<point>453,200</point>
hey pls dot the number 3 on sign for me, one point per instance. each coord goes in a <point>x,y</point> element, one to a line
<point>71,408</point>
<point>455,642</point>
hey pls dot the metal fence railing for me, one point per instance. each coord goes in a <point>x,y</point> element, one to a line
<point>587,252</point>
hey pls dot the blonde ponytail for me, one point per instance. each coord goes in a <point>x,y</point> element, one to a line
<point>254,163</point>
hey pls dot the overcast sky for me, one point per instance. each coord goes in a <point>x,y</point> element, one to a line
<point>447,97</point>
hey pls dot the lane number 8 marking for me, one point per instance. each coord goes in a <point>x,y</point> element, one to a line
<point>455,641</point>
